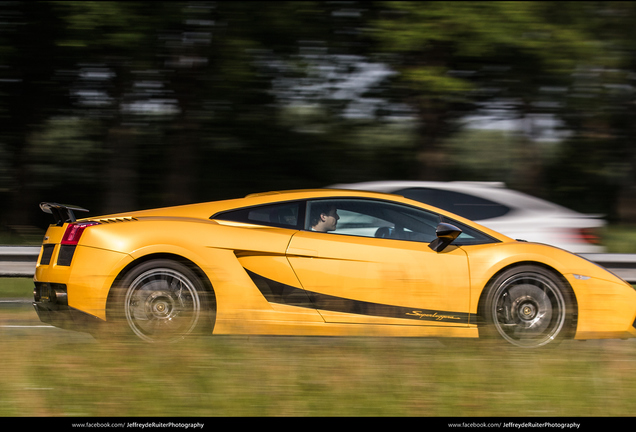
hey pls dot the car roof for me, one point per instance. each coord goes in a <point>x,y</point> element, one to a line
<point>206,209</point>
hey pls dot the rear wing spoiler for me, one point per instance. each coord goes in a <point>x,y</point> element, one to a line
<point>61,212</point>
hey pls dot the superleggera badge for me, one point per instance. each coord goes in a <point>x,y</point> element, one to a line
<point>435,316</point>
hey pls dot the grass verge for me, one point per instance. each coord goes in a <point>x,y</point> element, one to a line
<point>283,376</point>
<point>619,239</point>
<point>16,288</point>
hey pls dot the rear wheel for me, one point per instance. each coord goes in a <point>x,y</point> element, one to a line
<point>162,301</point>
<point>529,307</point>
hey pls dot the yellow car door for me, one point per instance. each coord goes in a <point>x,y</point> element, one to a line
<point>376,267</point>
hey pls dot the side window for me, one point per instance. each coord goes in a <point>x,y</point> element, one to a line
<point>369,218</point>
<point>468,206</point>
<point>283,215</point>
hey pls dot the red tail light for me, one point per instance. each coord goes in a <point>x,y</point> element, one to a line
<point>74,232</point>
<point>581,235</point>
<point>590,235</point>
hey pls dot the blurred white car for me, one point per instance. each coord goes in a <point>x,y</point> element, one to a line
<point>509,212</point>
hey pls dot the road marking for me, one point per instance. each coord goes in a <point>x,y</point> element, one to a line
<point>26,326</point>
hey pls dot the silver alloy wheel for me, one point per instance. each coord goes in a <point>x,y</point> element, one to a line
<point>529,309</point>
<point>162,305</point>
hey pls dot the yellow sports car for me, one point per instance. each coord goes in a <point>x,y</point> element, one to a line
<point>318,262</point>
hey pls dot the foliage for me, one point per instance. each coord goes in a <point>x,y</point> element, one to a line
<point>121,105</point>
<point>457,58</point>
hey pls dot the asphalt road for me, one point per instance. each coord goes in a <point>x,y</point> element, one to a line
<point>18,317</point>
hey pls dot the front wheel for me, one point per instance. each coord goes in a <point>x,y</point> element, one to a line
<point>161,301</point>
<point>529,307</point>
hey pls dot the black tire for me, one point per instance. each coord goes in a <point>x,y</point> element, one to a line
<point>530,307</point>
<point>161,301</point>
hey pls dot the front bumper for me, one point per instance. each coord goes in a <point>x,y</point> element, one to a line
<point>606,309</point>
<point>51,304</point>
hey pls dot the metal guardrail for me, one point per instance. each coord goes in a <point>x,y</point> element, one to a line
<point>19,261</point>
<point>622,265</point>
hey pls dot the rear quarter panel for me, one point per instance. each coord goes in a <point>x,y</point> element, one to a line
<point>210,246</point>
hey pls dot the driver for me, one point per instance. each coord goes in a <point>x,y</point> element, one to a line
<point>324,217</point>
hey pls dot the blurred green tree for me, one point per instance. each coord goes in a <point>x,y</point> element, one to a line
<point>461,58</point>
<point>185,106</point>
<point>31,90</point>
<point>117,105</point>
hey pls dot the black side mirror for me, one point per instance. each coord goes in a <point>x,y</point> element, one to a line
<point>446,234</point>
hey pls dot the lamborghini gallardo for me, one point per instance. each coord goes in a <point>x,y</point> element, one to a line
<point>318,262</point>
